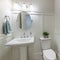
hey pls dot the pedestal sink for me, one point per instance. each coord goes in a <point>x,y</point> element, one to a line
<point>22,43</point>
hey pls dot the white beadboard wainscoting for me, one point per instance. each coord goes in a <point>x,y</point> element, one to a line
<point>57,44</point>
<point>5,51</point>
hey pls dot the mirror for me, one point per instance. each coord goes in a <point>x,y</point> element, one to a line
<point>25,20</point>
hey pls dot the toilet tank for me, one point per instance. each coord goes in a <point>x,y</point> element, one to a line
<point>45,43</point>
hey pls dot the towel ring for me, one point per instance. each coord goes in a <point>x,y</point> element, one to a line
<point>7,17</point>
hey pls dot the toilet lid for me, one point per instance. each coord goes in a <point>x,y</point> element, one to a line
<point>49,54</point>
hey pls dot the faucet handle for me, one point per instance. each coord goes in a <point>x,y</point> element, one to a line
<point>30,33</point>
<point>24,34</point>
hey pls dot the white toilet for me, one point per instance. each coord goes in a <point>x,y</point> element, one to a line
<point>48,53</point>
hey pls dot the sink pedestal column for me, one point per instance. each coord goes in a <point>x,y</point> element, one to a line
<point>19,53</point>
<point>23,53</point>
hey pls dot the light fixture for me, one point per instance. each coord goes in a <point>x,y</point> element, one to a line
<point>24,5</point>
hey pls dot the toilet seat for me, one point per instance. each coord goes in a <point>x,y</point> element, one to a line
<point>49,54</point>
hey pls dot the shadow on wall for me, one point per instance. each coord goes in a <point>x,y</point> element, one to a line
<point>54,46</point>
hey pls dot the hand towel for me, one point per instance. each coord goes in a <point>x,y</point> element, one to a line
<point>6,27</point>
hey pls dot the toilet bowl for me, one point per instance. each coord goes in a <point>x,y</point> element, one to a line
<point>49,54</point>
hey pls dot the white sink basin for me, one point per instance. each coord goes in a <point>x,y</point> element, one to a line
<point>20,41</point>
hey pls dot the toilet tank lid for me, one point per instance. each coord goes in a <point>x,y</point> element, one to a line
<point>42,38</point>
<point>49,54</point>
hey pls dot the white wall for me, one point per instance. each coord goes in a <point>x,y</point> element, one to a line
<point>5,7</point>
<point>46,6</point>
<point>57,27</point>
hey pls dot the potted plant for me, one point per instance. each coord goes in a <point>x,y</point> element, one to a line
<point>45,34</point>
